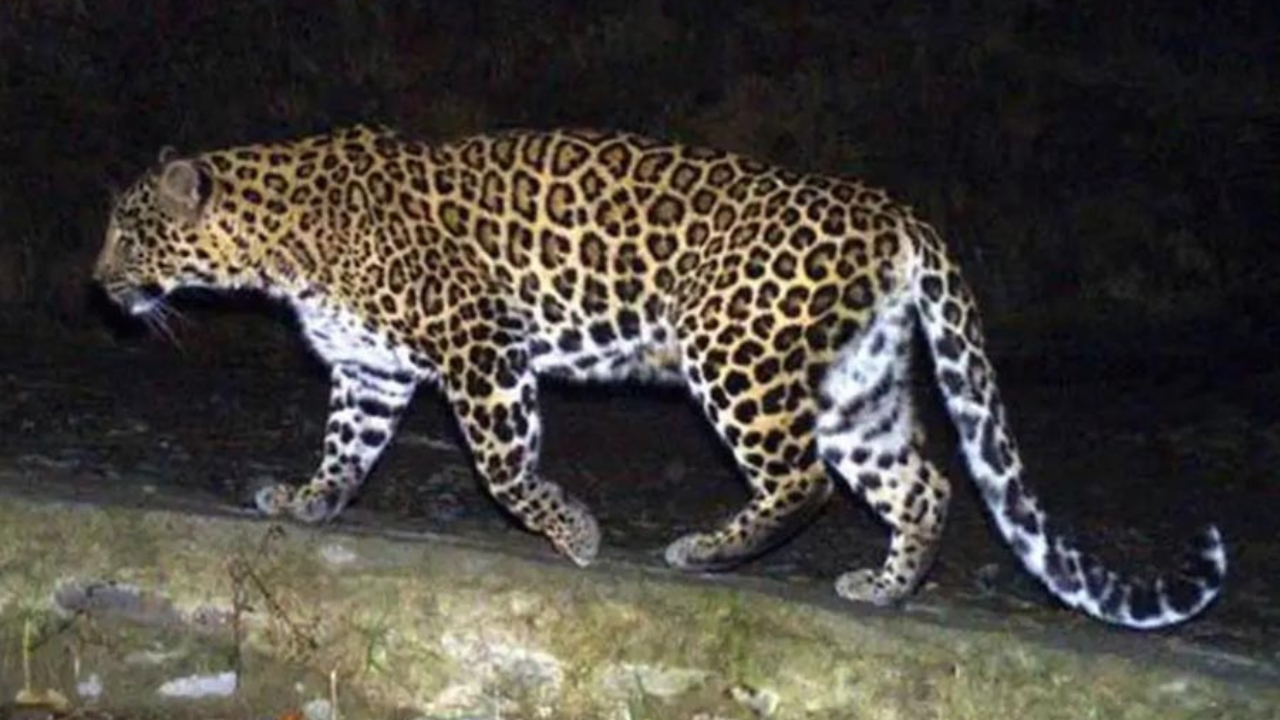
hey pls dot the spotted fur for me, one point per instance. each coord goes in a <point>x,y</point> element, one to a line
<point>785,303</point>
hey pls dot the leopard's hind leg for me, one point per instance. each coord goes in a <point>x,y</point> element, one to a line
<point>868,435</point>
<point>765,410</point>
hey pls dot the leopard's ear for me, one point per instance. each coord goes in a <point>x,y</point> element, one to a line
<point>167,154</point>
<point>185,188</point>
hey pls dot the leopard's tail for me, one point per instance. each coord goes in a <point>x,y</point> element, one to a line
<point>947,313</point>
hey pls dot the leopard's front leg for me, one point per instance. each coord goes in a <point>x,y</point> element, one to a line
<point>494,394</point>
<point>364,409</point>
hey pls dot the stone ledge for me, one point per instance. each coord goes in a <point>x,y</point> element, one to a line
<point>159,613</point>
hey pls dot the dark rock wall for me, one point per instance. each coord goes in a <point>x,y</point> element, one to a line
<point>1115,164</point>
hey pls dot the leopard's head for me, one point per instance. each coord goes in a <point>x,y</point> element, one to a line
<point>164,234</point>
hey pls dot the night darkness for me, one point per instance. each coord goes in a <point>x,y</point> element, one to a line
<point>1108,178</point>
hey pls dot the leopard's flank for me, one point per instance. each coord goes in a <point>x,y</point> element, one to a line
<point>785,303</point>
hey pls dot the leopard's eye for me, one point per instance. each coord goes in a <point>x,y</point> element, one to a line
<point>130,249</point>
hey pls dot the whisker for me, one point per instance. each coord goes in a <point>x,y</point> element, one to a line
<point>159,319</point>
<point>172,314</point>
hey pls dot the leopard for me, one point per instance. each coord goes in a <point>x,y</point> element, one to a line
<point>788,305</point>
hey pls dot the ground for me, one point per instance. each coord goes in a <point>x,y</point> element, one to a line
<point>1134,449</point>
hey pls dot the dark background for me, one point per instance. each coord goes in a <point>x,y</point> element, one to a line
<point>1107,173</point>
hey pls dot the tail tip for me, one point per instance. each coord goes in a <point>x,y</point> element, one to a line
<point>1207,560</point>
<point>1199,581</point>
<point>1172,599</point>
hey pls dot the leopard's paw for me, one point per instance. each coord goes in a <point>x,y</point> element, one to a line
<point>576,534</point>
<point>691,552</point>
<point>313,503</point>
<point>316,503</point>
<point>865,586</point>
<point>274,500</point>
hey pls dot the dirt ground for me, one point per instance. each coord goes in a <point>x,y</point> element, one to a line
<point>1133,450</point>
